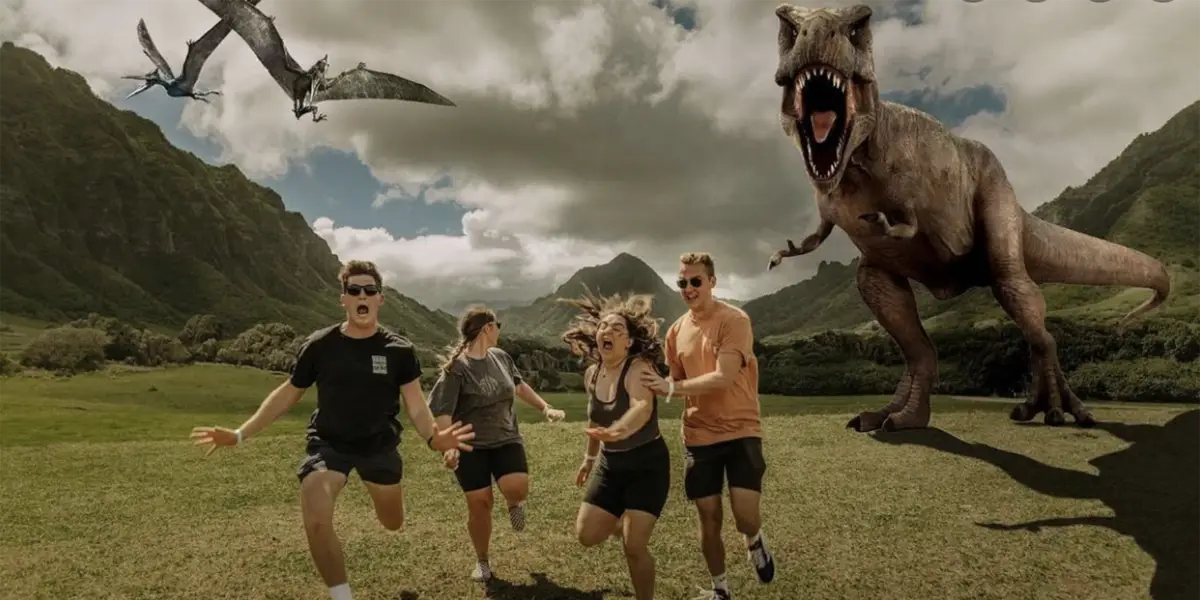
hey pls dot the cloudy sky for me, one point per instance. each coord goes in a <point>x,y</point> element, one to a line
<point>586,128</point>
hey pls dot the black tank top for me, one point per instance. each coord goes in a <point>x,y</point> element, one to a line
<point>605,414</point>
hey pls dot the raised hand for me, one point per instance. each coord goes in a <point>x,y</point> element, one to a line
<point>213,437</point>
<point>453,438</point>
<point>554,415</point>
<point>605,434</point>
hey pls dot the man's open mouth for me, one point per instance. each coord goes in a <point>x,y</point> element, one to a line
<point>822,103</point>
<point>362,309</point>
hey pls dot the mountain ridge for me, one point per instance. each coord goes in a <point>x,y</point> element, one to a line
<point>102,214</point>
<point>545,318</point>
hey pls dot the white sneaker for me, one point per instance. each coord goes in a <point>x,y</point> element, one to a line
<point>482,572</point>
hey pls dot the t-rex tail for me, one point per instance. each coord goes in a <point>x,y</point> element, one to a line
<point>1055,254</point>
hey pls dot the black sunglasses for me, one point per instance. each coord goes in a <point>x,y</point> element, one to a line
<point>683,283</point>
<point>354,289</point>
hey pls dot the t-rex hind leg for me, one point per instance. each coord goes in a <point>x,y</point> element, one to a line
<point>1022,299</point>
<point>891,300</point>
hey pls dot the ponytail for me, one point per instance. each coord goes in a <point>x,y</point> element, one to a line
<point>452,356</point>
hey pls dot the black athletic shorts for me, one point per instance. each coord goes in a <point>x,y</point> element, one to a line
<point>634,479</point>
<point>706,467</point>
<point>383,468</point>
<point>479,467</point>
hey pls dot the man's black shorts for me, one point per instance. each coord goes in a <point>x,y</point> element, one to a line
<point>479,467</point>
<point>383,468</point>
<point>706,467</point>
<point>634,479</point>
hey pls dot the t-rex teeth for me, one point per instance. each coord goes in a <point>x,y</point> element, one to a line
<point>837,81</point>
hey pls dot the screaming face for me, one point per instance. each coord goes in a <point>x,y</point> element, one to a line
<point>612,334</point>
<point>827,75</point>
<point>361,298</point>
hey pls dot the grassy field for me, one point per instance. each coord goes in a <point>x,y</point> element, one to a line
<point>104,497</point>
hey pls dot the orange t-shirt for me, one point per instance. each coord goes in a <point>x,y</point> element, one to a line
<point>692,347</point>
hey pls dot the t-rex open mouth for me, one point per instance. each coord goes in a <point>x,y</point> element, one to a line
<point>823,106</point>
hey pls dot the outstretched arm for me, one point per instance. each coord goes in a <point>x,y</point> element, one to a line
<point>641,403</point>
<point>276,404</point>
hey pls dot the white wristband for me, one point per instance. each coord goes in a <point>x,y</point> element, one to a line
<point>239,436</point>
<point>547,409</point>
<point>589,457</point>
<point>670,389</point>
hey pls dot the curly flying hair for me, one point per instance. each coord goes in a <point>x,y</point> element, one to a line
<point>635,309</point>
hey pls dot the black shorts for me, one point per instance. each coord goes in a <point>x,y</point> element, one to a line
<point>479,467</point>
<point>383,468</point>
<point>634,479</point>
<point>707,467</point>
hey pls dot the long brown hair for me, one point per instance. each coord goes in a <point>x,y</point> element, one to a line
<point>635,309</point>
<point>469,326</point>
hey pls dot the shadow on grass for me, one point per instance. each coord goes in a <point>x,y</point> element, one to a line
<point>1152,487</point>
<point>407,595</point>
<point>541,589</point>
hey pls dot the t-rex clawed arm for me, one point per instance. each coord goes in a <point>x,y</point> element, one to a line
<point>879,169</point>
<point>810,243</point>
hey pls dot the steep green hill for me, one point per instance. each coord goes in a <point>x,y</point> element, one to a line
<point>1147,198</point>
<point>545,319</point>
<point>102,214</point>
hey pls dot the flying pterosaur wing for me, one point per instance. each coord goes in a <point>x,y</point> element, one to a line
<point>362,83</point>
<point>258,31</point>
<point>151,51</point>
<point>201,49</point>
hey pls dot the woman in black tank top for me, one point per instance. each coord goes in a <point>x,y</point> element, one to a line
<point>631,462</point>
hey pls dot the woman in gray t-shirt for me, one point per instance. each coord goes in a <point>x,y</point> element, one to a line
<point>477,385</point>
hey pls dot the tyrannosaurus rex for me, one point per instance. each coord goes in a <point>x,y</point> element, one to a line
<point>924,204</point>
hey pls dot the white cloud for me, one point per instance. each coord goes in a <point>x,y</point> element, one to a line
<point>592,127</point>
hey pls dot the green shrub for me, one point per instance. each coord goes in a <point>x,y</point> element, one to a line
<point>8,365</point>
<point>1144,379</point>
<point>66,350</point>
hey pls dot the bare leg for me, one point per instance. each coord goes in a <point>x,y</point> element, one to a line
<point>638,527</point>
<point>318,493</point>
<point>709,513</point>
<point>891,300</point>
<point>389,504</point>
<point>479,521</point>
<point>1022,299</point>
<point>594,525</point>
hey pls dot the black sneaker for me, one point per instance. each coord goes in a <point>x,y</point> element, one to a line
<point>761,559</point>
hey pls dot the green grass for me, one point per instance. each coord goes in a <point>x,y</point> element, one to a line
<point>16,332</point>
<point>104,497</point>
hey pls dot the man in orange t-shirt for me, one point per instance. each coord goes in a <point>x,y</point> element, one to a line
<point>711,355</point>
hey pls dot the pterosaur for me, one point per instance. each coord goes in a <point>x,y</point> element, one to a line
<point>306,87</point>
<point>197,54</point>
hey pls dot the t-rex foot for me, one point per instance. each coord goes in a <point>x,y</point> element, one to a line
<point>1049,393</point>
<point>909,408</point>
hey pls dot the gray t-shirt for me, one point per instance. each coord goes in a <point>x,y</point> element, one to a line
<point>479,392</point>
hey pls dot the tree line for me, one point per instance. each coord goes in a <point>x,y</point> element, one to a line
<point>1152,360</point>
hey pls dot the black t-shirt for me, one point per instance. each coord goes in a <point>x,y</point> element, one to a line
<point>358,387</point>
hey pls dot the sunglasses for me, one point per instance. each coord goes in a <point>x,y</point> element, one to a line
<point>496,323</point>
<point>683,283</point>
<point>354,290</point>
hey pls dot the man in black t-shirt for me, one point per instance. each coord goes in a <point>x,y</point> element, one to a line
<point>361,371</point>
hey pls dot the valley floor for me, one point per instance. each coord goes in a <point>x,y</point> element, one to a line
<point>105,497</point>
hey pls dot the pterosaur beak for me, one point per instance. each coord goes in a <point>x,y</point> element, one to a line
<point>142,88</point>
